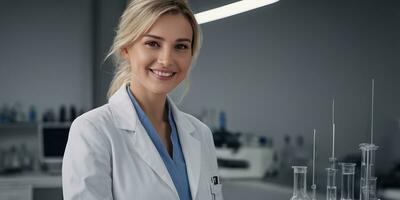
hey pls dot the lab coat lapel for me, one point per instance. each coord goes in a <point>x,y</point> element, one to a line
<point>191,147</point>
<point>148,152</point>
<point>125,118</point>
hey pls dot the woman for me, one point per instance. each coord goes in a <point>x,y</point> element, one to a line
<point>140,145</point>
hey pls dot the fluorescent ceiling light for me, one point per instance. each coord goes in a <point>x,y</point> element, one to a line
<point>230,9</point>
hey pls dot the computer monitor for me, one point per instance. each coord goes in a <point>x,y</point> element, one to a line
<point>52,142</point>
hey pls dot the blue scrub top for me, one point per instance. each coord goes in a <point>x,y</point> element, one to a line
<point>176,164</point>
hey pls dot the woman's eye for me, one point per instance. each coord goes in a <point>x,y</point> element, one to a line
<point>182,46</point>
<point>152,44</point>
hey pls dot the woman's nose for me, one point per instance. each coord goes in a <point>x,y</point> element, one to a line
<point>165,57</point>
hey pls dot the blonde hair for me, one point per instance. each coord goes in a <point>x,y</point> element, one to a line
<point>136,20</point>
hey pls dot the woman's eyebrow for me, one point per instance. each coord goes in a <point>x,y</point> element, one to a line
<point>160,38</point>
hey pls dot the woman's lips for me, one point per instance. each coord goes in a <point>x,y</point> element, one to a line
<point>162,74</point>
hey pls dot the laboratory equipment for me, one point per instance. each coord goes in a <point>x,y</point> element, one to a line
<point>313,186</point>
<point>12,162</point>
<point>368,179</point>
<point>244,162</point>
<point>300,183</point>
<point>372,189</point>
<point>243,155</point>
<point>313,192</point>
<point>32,114</point>
<point>53,139</point>
<point>331,184</point>
<point>333,160</point>
<point>372,110</point>
<point>26,158</point>
<point>347,186</point>
<point>331,171</point>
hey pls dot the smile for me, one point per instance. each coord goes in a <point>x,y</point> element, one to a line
<point>162,74</point>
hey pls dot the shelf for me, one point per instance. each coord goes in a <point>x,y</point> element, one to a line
<point>29,125</point>
<point>37,180</point>
<point>19,125</point>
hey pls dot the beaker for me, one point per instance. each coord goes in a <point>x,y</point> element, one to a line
<point>300,183</point>
<point>331,184</point>
<point>347,189</point>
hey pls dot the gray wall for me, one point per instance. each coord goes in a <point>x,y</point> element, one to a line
<point>107,17</point>
<point>46,53</point>
<point>51,53</point>
<point>275,71</point>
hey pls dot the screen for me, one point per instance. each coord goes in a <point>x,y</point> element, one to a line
<point>54,140</point>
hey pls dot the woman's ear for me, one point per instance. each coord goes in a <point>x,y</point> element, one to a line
<point>124,53</point>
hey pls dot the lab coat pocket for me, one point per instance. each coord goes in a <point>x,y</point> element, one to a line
<point>216,191</point>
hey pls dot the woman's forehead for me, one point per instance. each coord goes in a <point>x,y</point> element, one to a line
<point>171,27</point>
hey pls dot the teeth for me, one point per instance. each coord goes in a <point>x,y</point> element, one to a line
<point>160,73</point>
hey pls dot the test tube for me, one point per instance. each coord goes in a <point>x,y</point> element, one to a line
<point>367,171</point>
<point>300,183</point>
<point>313,186</point>
<point>331,184</point>
<point>347,190</point>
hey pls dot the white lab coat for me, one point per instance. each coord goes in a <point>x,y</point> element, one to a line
<point>109,155</point>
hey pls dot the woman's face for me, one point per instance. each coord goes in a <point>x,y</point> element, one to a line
<point>160,59</point>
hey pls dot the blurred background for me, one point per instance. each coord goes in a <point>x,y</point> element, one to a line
<point>263,81</point>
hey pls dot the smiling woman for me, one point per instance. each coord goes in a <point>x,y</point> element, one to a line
<point>135,24</point>
<point>140,145</point>
<point>160,59</point>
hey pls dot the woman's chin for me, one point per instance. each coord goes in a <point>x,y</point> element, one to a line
<point>163,90</point>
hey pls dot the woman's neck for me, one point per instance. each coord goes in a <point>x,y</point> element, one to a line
<point>154,105</point>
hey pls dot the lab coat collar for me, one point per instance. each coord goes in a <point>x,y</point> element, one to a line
<point>125,118</point>
<point>124,112</point>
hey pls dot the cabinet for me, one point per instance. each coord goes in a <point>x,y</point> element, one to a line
<point>16,192</point>
<point>31,187</point>
<point>27,185</point>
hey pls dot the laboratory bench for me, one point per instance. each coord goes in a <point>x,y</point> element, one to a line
<point>31,186</point>
<point>257,189</point>
<point>40,186</point>
<point>278,189</point>
<point>44,186</point>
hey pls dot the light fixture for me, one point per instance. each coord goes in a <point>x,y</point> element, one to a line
<point>230,9</point>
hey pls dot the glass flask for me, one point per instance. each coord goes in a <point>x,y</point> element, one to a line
<point>300,183</point>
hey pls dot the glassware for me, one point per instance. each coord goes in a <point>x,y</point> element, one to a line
<point>331,184</point>
<point>347,188</point>
<point>314,192</point>
<point>300,183</point>
<point>313,186</point>
<point>368,179</point>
